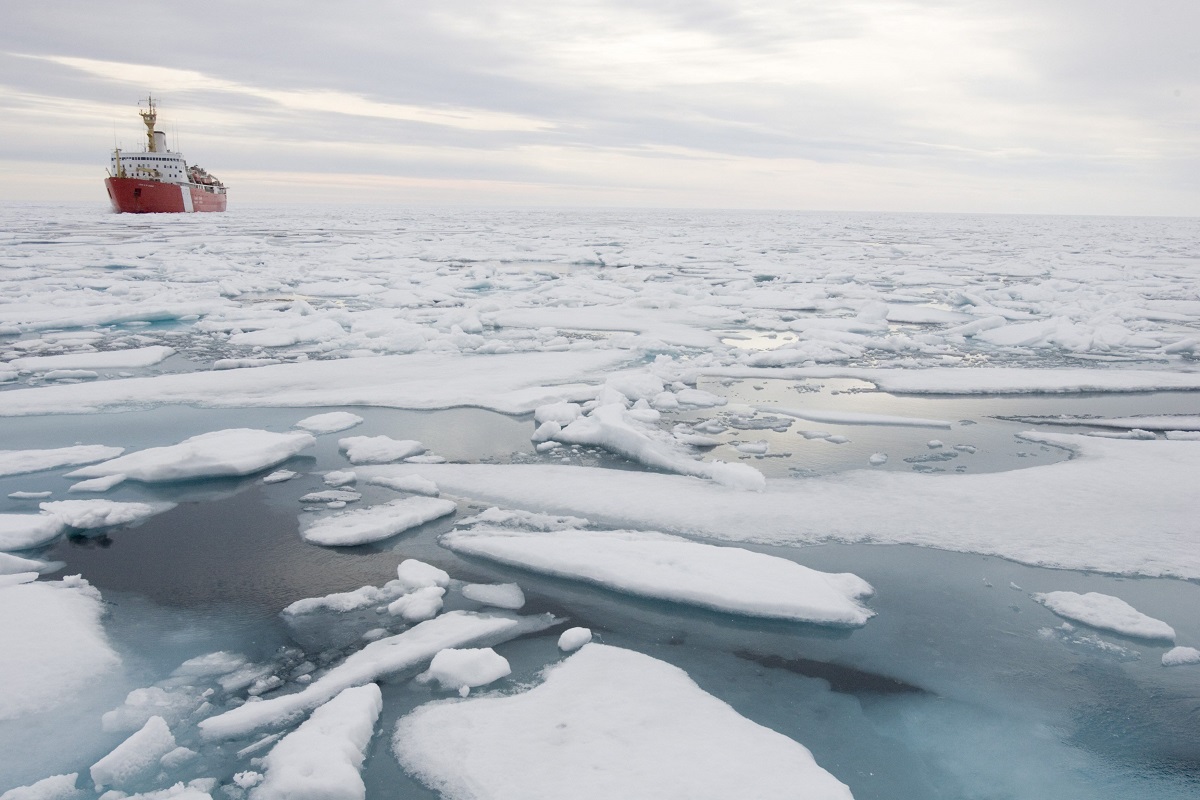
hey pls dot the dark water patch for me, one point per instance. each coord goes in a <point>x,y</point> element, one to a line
<point>840,678</point>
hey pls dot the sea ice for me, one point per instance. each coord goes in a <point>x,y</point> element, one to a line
<point>414,484</point>
<point>322,758</point>
<point>606,723</point>
<point>500,595</point>
<point>341,602</point>
<point>108,359</point>
<point>331,422</point>
<point>279,476</point>
<point>1106,613</point>
<point>648,564</point>
<point>464,669</point>
<point>418,605</point>
<point>365,525</point>
<point>380,658</point>
<point>378,449</point>
<point>19,462</point>
<point>98,484</point>
<point>416,574</point>
<point>136,758</point>
<point>56,787</point>
<point>854,417</point>
<point>54,644</point>
<point>12,565</point>
<point>218,454</point>
<point>1179,656</point>
<point>574,638</point>
<point>153,701</point>
<point>89,514</point>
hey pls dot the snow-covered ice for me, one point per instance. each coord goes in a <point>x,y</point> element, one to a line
<point>1179,656</point>
<point>463,669</point>
<point>416,574</point>
<point>415,484</point>
<point>87,514</point>
<point>667,567</point>
<point>54,644</point>
<point>574,638</point>
<point>217,454</point>
<point>418,605</point>
<point>606,723</point>
<point>56,787</point>
<point>322,758</point>
<point>17,462</point>
<point>499,595</point>
<point>136,758</point>
<point>378,449</point>
<point>110,359</point>
<point>331,422</point>
<point>1106,613</point>
<point>362,526</point>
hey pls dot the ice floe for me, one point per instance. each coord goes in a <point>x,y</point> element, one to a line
<point>88,514</point>
<point>499,595</point>
<point>407,650</point>
<point>54,644</point>
<point>1020,514</point>
<point>56,787</point>
<point>362,526</point>
<point>331,422</point>
<point>633,725</point>
<point>17,462</point>
<point>574,638</point>
<point>322,758</point>
<point>108,359</point>
<point>1106,613</point>
<point>217,454</point>
<point>463,669</point>
<point>418,605</point>
<point>657,565</point>
<point>378,449</point>
<point>1180,656</point>
<point>135,759</point>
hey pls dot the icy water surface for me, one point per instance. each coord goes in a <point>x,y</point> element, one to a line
<point>668,349</point>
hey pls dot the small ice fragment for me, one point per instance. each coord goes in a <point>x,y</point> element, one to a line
<point>837,439</point>
<point>279,476</point>
<point>332,422</point>
<point>418,605</point>
<point>29,495</point>
<point>878,459</point>
<point>332,497</point>
<point>574,638</point>
<point>752,448</point>
<point>362,526</point>
<point>247,779</point>
<point>1178,656</point>
<point>177,758</point>
<point>407,483</point>
<point>135,758</point>
<point>466,668</point>
<point>416,574</point>
<point>965,448</point>
<point>98,484</point>
<point>934,444</point>
<point>378,449</point>
<point>500,595</point>
<point>340,478</point>
<point>1106,613</point>
<point>56,787</point>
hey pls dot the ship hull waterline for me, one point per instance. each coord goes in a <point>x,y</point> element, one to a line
<point>141,196</point>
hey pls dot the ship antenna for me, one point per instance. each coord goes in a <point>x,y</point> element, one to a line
<point>150,117</point>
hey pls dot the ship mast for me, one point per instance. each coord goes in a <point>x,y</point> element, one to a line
<point>150,117</point>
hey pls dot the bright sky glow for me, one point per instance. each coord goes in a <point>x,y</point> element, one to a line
<point>867,104</point>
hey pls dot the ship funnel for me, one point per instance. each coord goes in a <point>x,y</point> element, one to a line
<point>160,142</point>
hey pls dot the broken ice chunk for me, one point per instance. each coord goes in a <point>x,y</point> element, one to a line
<point>362,526</point>
<point>332,422</point>
<point>464,669</point>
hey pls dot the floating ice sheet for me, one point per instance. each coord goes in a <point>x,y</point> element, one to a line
<point>218,454</point>
<point>1106,613</point>
<point>18,462</point>
<point>365,525</point>
<point>657,565</point>
<point>606,723</point>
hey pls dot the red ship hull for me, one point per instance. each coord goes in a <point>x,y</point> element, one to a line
<point>141,196</point>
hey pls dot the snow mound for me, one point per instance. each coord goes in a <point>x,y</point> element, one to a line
<point>26,531</point>
<point>379,449</point>
<point>1106,613</point>
<point>217,454</point>
<point>407,650</point>
<point>362,526</point>
<point>56,787</point>
<point>53,644</point>
<point>666,567</point>
<point>418,605</point>
<point>464,669</point>
<point>19,462</point>
<point>600,708</point>
<point>416,574</point>
<point>321,759</point>
<point>90,514</point>
<point>332,422</point>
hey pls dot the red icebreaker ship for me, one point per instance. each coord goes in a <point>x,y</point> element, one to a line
<point>157,180</point>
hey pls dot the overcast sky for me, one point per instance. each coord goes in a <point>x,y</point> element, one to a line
<point>1040,106</point>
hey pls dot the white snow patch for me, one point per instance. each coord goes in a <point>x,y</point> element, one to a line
<point>574,638</point>
<point>362,526</point>
<point>1106,613</point>
<point>658,565</point>
<point>602,707</point>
